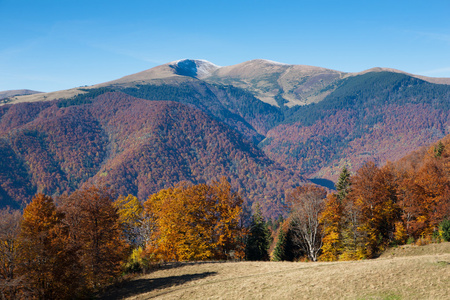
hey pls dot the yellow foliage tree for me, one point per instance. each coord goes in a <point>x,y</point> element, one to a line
<point>331,220</point>
<point>194,222</point>
<point>130,211</point>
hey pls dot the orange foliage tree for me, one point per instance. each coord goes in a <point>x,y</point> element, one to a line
<point>94,234</point>
<point>48,269</point>
<point>194,222</point>
<point>374,201</point>
<point>424,193</point>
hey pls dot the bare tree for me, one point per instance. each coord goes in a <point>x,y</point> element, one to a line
<point>307,202</point>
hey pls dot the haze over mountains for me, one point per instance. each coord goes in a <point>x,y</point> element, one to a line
<point>265,125</point>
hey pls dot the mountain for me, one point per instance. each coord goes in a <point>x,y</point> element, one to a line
<point>134,145</point>
<point>277,83</point>
<point>262,124</point>
<point>374,116</point>
<point>4,95</point>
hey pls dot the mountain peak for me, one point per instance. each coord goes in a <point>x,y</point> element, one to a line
<point>267,61</point>
<point>198,68</point>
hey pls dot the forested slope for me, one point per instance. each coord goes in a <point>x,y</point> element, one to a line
<point>194,129</point>
<point>376,116</point>
<point>136,146</point>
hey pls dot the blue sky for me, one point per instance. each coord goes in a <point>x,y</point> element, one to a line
<point>52,45</point>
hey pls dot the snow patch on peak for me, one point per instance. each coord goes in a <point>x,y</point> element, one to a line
<point>198,68</point>
<point>274,62</point>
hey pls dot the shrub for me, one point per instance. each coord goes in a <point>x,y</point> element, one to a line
<point>136,263</point>
<point>444,228</point>
<point>436,236</point>
<point>423,240</point>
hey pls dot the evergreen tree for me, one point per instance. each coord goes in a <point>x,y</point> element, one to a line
<point>343,184</point>
<point>438,149</point>
<point>258,240</point>
<point>279,251</point>
<point>291,250</point>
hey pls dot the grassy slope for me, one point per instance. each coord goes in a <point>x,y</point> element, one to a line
<point>412,272</point>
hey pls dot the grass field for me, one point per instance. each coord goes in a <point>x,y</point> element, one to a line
<point>407,272</point>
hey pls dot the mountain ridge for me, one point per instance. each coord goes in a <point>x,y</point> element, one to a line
<point>296,74</point>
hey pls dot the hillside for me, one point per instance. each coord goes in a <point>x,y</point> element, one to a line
<point>136,146</point>
<point>5,95</point>
<point>301,120</point>
<point>376,116</point>
<point>423,275</point>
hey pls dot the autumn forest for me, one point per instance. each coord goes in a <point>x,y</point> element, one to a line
<point>121,179</point>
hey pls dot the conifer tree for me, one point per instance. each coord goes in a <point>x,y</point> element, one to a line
<point>287,249</point>
<point>258,240</point>
<point>279,251</point>
<point>439,149</point>
<point>343,185</point>
<point>291,250</point>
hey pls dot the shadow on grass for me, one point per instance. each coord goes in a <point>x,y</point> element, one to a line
<point>141,286</point>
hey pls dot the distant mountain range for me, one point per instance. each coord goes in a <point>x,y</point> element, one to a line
<point>13,93</point>
<point>264,125</point>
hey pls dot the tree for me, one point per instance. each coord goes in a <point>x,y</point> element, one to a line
<point>444,228</point>
<point>194,222</point>
<point>343,186</point>
<point>131,219</point>
<point>258,239</point>
<point>45,263</point>
<point>439,149</point>
<point>94,234</point>
<point>11,282</point>
<point>424,196</point>
<point>307,203</point>
<point>373,203</point>
<point>286,248</point>
<point>279,251</point>
<point>331,219</point>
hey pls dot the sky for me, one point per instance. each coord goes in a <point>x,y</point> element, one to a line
<point>49,45</point>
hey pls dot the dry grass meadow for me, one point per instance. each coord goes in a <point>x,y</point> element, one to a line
<point>406,272</point>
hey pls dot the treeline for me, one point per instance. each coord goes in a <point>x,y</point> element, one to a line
<point>82,242</point>
<point>78,244</point>
<point>62,251</point>
<point>375,208</point>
